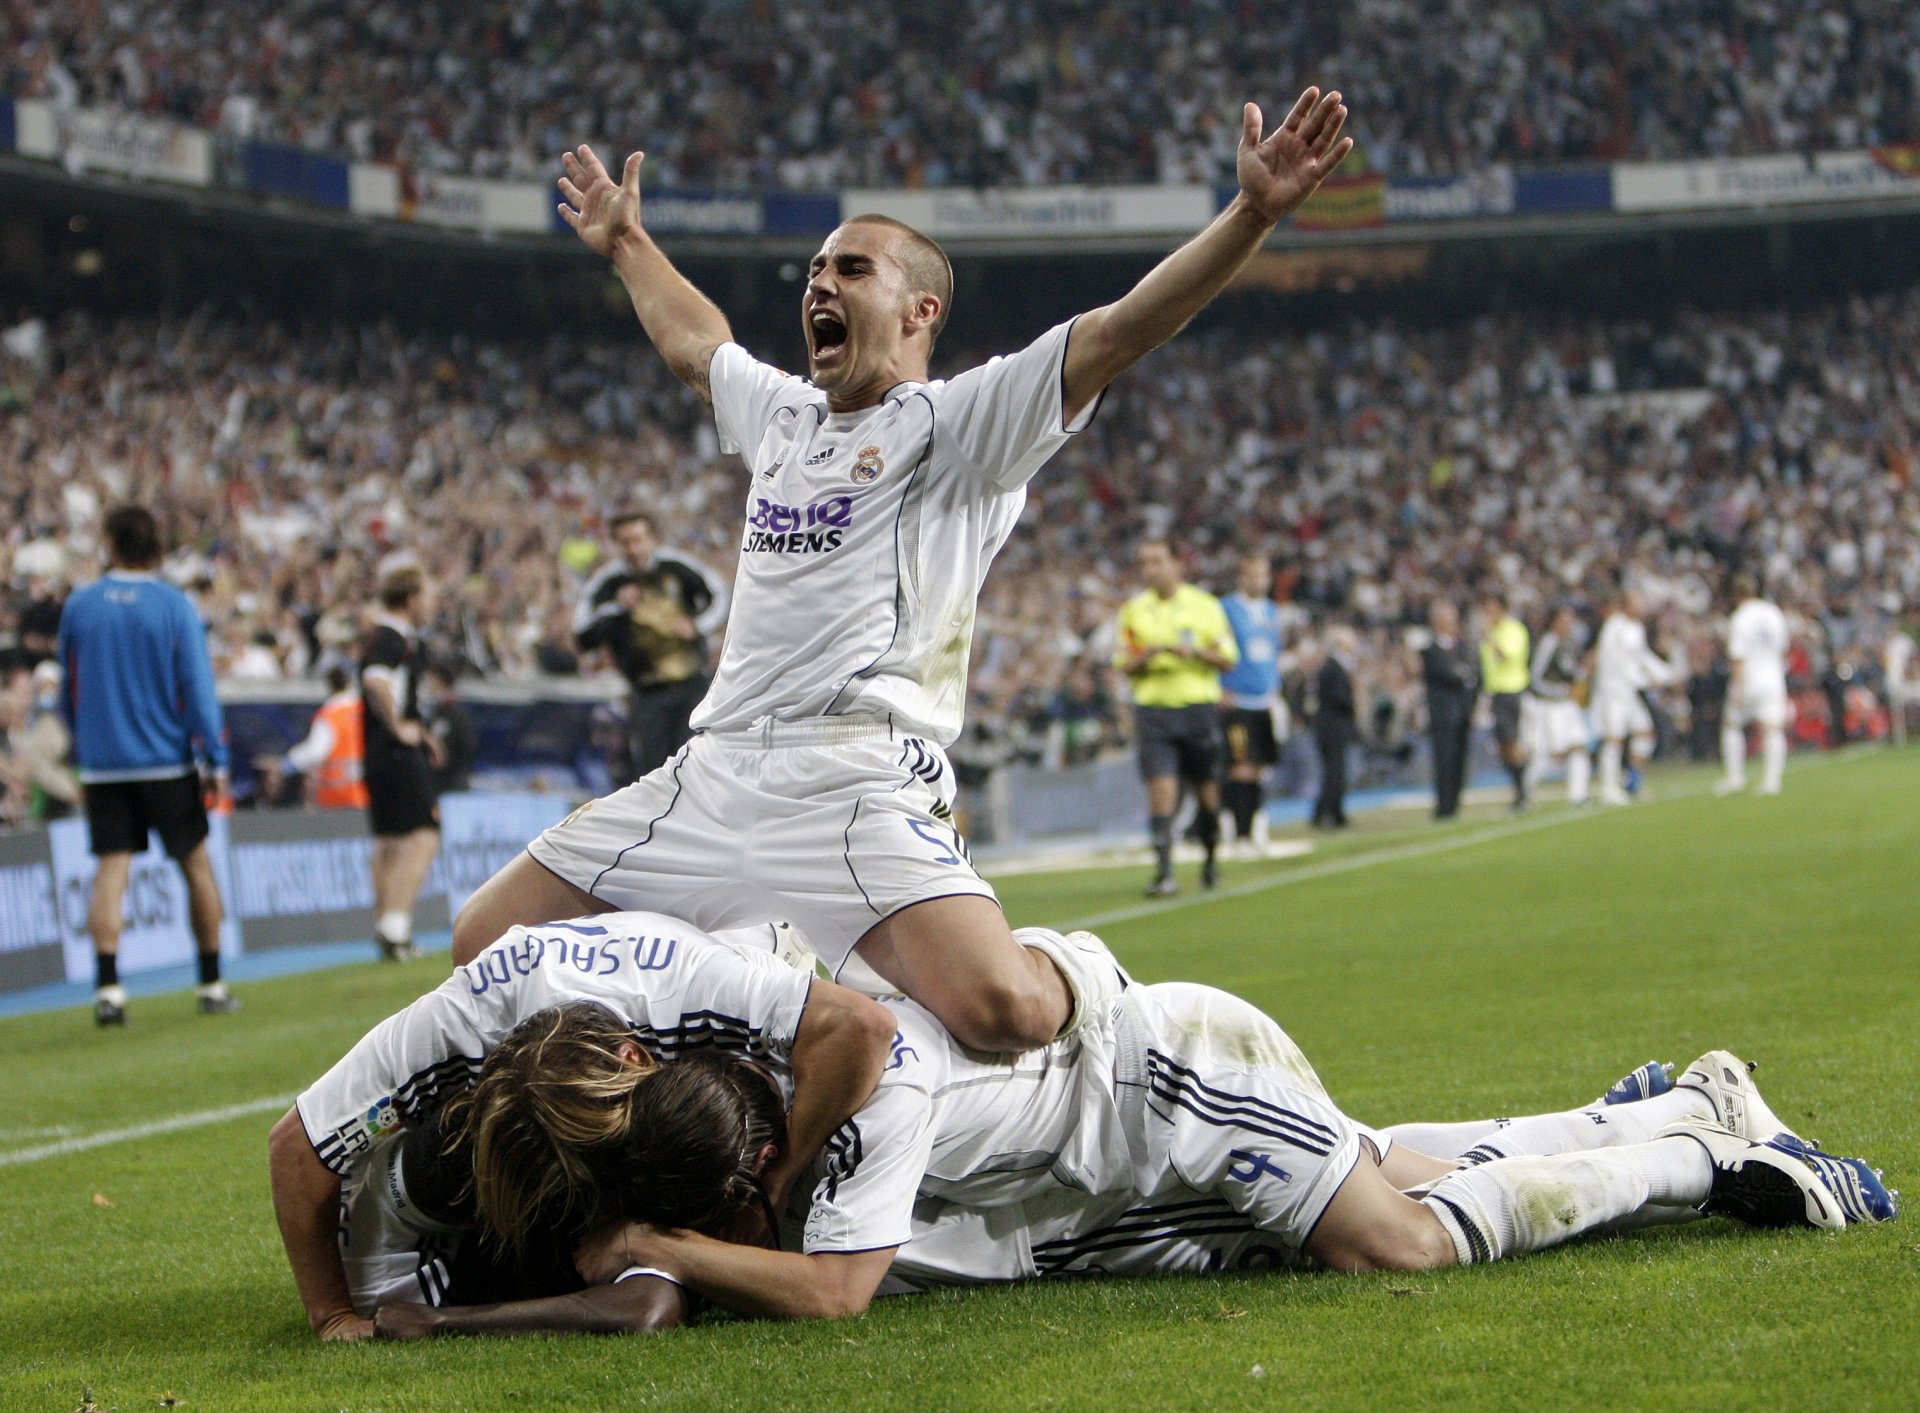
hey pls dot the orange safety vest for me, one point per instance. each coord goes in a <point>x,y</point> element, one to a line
<point>340,782</point>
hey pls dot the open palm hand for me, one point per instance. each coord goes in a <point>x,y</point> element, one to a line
<point>1283,168</point>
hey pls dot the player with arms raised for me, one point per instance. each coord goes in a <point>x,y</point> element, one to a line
<point>818,790</point>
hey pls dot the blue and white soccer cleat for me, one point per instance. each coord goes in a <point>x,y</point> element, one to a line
<point>1761,1184</point>
<point>1862,1195</point>
<point>1727,1082</point>
<point>1649,1081</point>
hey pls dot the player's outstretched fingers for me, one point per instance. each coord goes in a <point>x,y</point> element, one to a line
<point>1250,124</point>
<point>1336,118</point>
<point>571,192</point>
<point>1301,107</point>
<point>595,169</point>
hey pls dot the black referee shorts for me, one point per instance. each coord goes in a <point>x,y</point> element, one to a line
<point>400,793</point>
<point>121,812</point>
<point>1250,737</point>
<point>1506,716</point>
<point>1182,741</point>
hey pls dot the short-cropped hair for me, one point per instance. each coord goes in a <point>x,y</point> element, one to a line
<point>133,536</point>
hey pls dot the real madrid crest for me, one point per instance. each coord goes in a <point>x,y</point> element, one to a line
<point>867,466</point>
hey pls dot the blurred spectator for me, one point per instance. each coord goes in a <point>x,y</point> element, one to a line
<point>989,93</point>
<point>1379,466</point>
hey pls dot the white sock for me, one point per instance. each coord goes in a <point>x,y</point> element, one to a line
<point>115,995</point>
<point>1528,1204</point>
<point>213,990</point>
<point>1582,1130</point>
<point>1571,1131</point>
<point>1610,768</point>
<point>395,926</point>
<point>1773,755</point>
<point>1579,773</point>
<point>1733,755</point>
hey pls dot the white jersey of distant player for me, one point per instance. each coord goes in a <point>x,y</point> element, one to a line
<point>1623,666</point>
<point>869,534</point>
<point>1758,639</point>
<point>680,989</point>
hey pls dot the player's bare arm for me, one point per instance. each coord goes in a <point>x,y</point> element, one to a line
<point>749,1280</point>
<point>684,325</point>
<point>639,1305</point>
<point>839,1052</point>
<point>1277,172</point>
<point>306,1203</point>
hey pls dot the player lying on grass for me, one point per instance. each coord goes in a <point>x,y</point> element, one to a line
<point>1186,1133</point>
<point>1192,1135</point>
<point>655,990</point>
<point>818,789</point>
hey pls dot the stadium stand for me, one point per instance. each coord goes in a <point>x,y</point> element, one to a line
<point>808,95</point>
<point>1381,465</point>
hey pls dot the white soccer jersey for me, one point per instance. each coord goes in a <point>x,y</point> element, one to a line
<point>681,990</point>
<point>1623,663</point>
<point>1757,639</point>
<point>869,534</point>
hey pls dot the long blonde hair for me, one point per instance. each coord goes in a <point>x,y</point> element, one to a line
<point>555,1095</point>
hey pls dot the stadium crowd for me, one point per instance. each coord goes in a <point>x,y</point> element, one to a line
<point>1381,467</point>
<point>810,95</point>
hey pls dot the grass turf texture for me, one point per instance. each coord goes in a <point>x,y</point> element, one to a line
<point>1523,971</point>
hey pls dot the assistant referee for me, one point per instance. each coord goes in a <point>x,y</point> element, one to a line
<point>1175,641</point>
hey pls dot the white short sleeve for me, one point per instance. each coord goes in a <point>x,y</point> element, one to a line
<point>1004,417</point>
<point>746,393</point>
<point>873,1166</point>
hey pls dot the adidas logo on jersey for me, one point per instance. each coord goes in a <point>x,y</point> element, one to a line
<point>821,458</point>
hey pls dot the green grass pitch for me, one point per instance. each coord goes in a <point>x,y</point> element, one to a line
<point>1522,970</point>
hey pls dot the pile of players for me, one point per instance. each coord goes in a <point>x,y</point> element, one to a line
<point>611,1109</point>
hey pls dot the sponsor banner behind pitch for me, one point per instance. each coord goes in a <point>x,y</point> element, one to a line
<point>287,879</point>
<point>1060,211</point>
<point>1765,181</point>
<point>101,140</point>
<point>29,921</point>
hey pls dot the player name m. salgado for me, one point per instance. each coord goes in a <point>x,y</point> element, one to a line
<point>818,528</point>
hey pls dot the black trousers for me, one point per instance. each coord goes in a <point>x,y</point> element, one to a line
<point>657,721</point>
<point>1450,736</point>
<point>1331,805</point>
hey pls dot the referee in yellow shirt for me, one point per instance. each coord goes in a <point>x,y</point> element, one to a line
<point>1175,642</point>
<point>1505,674</point>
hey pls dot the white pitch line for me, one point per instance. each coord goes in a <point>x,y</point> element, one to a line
<point>147,1130</point>
<point>1424,849</point>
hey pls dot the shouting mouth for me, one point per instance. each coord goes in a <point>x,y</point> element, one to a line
<point>829,337</point>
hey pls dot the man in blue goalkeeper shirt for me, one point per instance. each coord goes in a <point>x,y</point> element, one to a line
<point>1251,689</point>
<point>139,698</point>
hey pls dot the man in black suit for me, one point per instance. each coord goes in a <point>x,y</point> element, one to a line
<point>1333,728</point>
<point>1451,669</point>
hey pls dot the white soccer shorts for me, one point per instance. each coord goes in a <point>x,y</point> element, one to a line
<point>833,824</point>
<point>1759,704</point>
<point>1554,727</point>
<point>1618,718</point>
<point>1238,1150</point>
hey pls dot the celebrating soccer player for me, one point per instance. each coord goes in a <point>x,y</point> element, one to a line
<point>818,789</point>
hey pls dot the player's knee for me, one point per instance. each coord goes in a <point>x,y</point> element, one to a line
<point>1410,1239</point>
<point>1003,1014</point>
